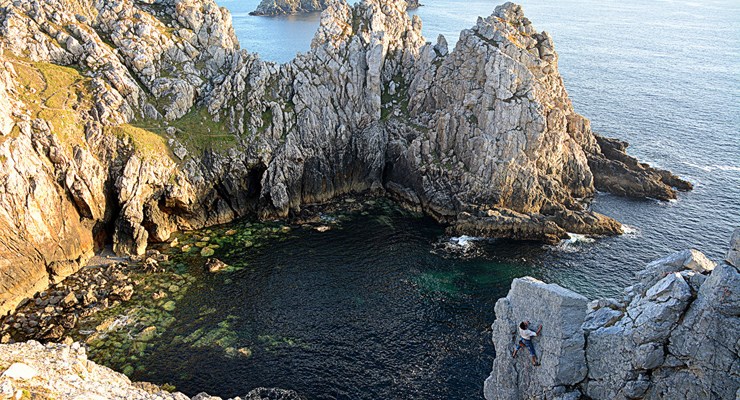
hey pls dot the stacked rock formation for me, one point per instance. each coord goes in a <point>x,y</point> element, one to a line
<point>124,121</point>
<point>673,335</point>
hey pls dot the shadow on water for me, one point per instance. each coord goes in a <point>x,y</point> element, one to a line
<point>370,309</point>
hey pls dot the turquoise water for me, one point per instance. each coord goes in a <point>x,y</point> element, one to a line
<point>378,307</point>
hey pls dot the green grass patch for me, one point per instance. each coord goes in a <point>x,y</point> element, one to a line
<point>60,94</point>
<point>56,94</point>
<point>145,142</point>
<point>266,120</point>
<point>396,101</point>
<point>196,130</point>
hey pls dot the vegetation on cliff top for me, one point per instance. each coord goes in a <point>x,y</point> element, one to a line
<point>54,93</point>
<point>57,94</point>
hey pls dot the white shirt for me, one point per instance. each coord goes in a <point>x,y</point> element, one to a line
<point>526,334</point>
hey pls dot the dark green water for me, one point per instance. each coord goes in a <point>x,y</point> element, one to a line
<point>374,308</point>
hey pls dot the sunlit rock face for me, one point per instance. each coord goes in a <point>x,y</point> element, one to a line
<point>650,344</point>
<point>62,371</point>
<point>124,121</point>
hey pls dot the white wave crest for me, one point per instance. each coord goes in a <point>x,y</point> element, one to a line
<point>713,167</point>
<point>629,230</point>
<point>461,246</point>
<point>578,238</point>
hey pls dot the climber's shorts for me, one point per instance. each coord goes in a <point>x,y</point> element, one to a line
<point>528,344</point>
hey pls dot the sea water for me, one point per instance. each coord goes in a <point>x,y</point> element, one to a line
<point>385,306</point>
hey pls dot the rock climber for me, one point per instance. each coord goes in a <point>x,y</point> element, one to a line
<point>525,340</point>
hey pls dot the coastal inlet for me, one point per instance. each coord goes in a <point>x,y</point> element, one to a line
<point>304,307</point>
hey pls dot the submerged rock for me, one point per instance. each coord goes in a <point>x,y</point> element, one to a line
<point>673,336</point>
<point>215,265</point>
<point>147,334</point>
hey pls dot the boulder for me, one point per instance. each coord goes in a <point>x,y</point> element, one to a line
<point>69,300</point>
<point>20,371</point>
<point>215,265</point>
<point>560,346</point>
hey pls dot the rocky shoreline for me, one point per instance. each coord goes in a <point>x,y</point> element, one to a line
<point>139,119</point>
<point>62,371</point>
<point>657,341</point>
<point>53,315</point>
<point>50,314</point>
<point>672,335</point>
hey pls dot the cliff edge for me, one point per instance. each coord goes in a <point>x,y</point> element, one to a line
<point>672,335</point>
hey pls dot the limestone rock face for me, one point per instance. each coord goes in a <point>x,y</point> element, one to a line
<point>69,168</point>
<point>61,371</point>
<point>559,347</point>
<point>126,120</point>
<point>673,335</point>
<point>51,195</point>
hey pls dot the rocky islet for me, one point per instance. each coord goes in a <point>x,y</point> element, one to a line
<point>289,7</point>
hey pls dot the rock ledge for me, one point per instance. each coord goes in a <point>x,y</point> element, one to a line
<point>59,371</point>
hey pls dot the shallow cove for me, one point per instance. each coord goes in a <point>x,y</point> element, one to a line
<point>367,310</point>
<point>376,307</point>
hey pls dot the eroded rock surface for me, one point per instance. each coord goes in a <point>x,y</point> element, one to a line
<point>60,371</point>
<point>126,120</point>
<point>673,335</point>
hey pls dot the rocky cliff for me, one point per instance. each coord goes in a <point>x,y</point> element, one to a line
<point>122,121</point>
<point>674,334</point>
<point>31,370</point>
